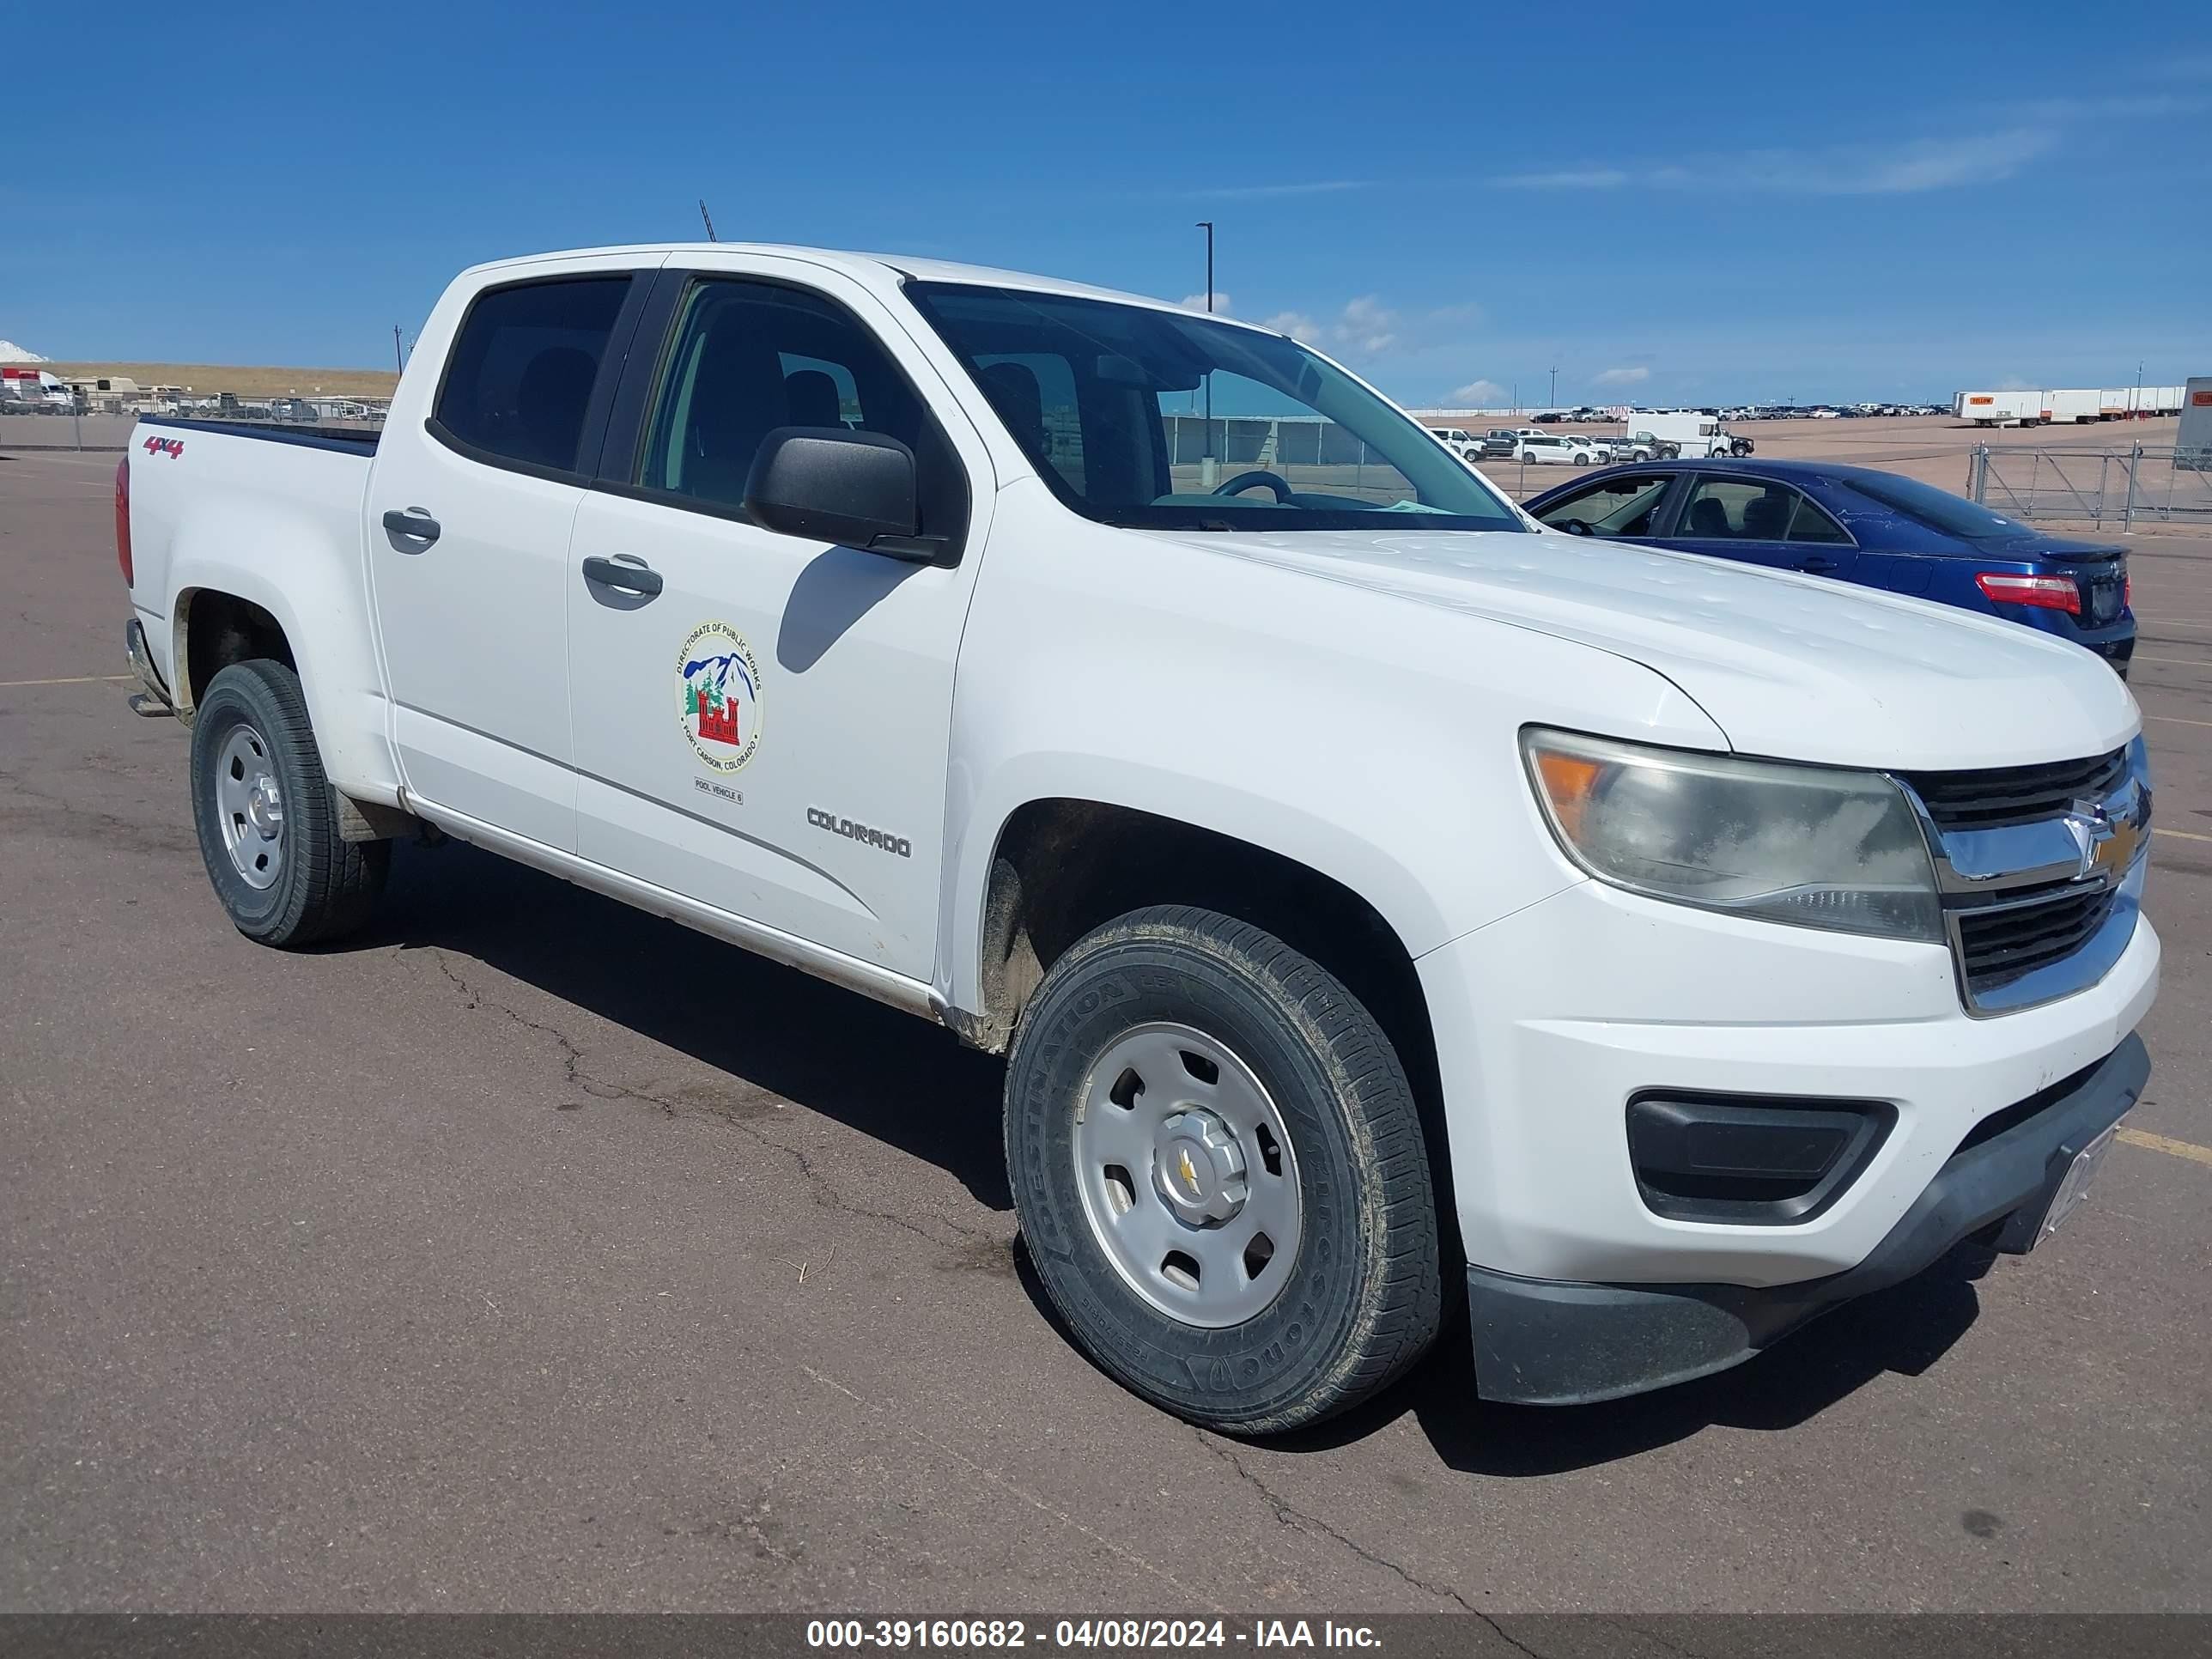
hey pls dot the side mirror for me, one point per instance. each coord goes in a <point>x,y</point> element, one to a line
<point>831,484</point>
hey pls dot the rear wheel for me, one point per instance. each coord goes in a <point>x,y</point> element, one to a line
<point>267,817</point>
<point>1220,1173</point>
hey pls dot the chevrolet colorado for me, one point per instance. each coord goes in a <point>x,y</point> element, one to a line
<point>1382,901</point>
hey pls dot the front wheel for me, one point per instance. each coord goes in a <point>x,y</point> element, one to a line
<point>1220,1172</point>
<point>267,817</point>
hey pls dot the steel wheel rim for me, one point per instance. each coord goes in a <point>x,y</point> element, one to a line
<point>250,807</point>
<point>1189,1176</point>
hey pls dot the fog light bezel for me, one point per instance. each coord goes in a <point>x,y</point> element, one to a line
<point>1862,1124</point>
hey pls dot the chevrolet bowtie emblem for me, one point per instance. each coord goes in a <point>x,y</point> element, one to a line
<point>2106,846</point>
<point>1189,1172</point>
<point>2114,852</point>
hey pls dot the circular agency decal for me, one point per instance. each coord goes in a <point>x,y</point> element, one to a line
<point>718,696</point>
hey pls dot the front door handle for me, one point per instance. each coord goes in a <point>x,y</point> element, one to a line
<point>413,530</point>
<point>625,572</point>
<point>1818,565</point>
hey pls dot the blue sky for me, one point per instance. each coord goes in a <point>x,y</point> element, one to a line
<point>1804,203</point>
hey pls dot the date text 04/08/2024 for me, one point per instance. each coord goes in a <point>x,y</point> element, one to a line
<point>1113,1634</point>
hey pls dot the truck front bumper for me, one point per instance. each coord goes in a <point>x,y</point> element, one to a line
<point>1551,1022</point>
<point>1550,1342</point>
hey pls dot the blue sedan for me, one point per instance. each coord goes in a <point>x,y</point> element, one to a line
<point>1860,525</point>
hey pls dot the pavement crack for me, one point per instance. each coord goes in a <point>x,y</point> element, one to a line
<point>1289,1515</point>
<point>825,1193</point>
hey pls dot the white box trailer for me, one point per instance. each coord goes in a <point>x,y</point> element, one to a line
<point>2117,401</point>
<point>2193,442</point>
<point>1999,408</point>
<point>2078,405</point>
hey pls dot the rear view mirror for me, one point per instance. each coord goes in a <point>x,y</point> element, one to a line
<point>832,484</point>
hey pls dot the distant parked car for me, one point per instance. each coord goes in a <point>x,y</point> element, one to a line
<point>1500,441</point>
<point>1555,451</point>
<point>1858,525</point>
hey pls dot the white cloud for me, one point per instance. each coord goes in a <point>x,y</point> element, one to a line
<point>1365,328</point>
<point>1846,170</point>
<point>1634,375</point>
<point>1197,302</point>
<point>1480,393</point>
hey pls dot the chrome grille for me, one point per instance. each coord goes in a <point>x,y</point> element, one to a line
<point>2040,869</point>
<point>2015,795</point>
<point>1999,944</point>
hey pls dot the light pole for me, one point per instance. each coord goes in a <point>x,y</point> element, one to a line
<point>1208,468</point>
<point>1554,403</point>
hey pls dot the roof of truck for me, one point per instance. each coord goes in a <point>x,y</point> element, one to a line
<point>866,266</point>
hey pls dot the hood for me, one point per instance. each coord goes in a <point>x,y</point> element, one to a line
<point>1789,666</point>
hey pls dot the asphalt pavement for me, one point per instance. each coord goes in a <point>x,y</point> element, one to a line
<point>531,1253</point>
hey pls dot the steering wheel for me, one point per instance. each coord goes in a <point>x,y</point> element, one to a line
<point>1575,527</point>
<point>1245,481</point>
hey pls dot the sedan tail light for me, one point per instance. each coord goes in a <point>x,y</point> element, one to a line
<point>2047,592</point>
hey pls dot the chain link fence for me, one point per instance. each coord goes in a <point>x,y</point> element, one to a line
<point>2111,489</point>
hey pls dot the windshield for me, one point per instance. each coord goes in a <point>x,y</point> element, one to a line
<point>1159,420</point>
<point>1954,514</point>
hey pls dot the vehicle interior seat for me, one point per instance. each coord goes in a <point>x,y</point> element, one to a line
<point>739,396</point>
<point>1767,517</point>
<point>1015,394</point>
<point>1708,517</point>
<point>549,404</point>
<point>812,397</point>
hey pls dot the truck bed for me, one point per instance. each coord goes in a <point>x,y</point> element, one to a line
<point>348,439</point>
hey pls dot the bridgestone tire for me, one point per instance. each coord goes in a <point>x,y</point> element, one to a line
<point>1364,1297</point>
<point>326,886</point>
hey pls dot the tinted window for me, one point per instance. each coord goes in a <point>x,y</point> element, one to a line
<point>523,366</point>
<point>750,357</point>
<point>1163,419</point>
<point>1954,514</point>
<point>1615,507</point>
<point>1755,510</point>
<point>1809,523</point>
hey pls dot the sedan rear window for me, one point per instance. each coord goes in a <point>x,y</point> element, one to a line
<point>1953,514</point>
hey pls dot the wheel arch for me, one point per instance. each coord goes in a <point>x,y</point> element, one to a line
<point>1061,865</point>
<point>227,609</point>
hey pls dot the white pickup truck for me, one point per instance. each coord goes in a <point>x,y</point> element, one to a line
<point>1380,901</point>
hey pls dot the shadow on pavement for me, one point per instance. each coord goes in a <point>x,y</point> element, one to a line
<point>1904,1329</point>
<point>912,1086</point>
<point>906,1082</point>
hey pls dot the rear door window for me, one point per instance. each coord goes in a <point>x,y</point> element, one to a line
<point>518,384</point>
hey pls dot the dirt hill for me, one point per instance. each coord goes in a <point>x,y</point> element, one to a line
<point>205,379</point>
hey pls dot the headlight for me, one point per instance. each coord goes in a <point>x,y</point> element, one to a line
<point>1809,845</point>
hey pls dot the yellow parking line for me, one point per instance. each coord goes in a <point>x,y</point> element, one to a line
<point>2150,1142</point>
<point>2180,834</point>
<point>76,679</point>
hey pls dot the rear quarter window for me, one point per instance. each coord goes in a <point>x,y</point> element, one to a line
<point>523,366</point>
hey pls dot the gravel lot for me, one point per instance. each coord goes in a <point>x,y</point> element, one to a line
<point>491,1262</point>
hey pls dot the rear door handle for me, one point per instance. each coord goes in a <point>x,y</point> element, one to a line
<point>625,572</point>
<point>415,527</point>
